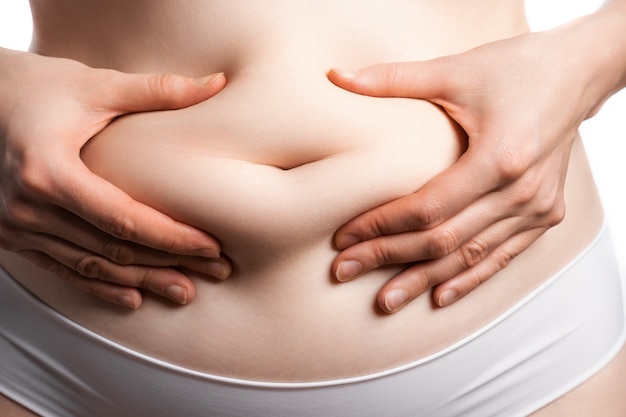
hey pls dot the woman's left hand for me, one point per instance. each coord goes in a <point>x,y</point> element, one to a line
<point>520,101</point>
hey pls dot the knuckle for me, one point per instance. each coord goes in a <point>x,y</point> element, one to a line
<point>504,259</point>
<point>61,271</point>
<point>119,252</point>
<point>388,73</point>
<point>32,178</point>
<point>121,226</point>
<point>389,79</point>
<point>69,276</point>
<point>165,85</point>
<point>20,213</point>
<point>167,243</point>
<point>543,206</point>
<point>377,226</point>
<point>509,165</point>
<point>527,192</point>
<point>472,253</point>
<point>147,279</point>
<point>550,208</point>
<point>443,242</point>
<point>382,255</point>
<point>474,281</point>
<point>188,261</point>
<point>428,214</point>
<point>90,266</point>
<point>557,213</point>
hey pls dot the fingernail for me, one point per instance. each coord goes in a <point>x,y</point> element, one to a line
<point>216,270</point>
<point>177,293</point>
<point>347,74</point>
<point>347,270</point>
<point>127,301</point>
<point>395,299</point>
<point>345,241</point>
<point>208,80</point>
<point>447,298</point>
<point>210,253</point>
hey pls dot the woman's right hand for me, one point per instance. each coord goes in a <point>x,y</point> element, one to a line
<point>67,220</point>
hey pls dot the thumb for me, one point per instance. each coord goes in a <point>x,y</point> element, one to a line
<point>419,79</point>
<point>131,93</point>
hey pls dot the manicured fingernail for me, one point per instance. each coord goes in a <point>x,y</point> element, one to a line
<point>177,293</point>
<point>127,301</point>
<point>345,241</point>
<point>447,298</point>
<point>345,73</point>
<point>208,80</point>
<point>347,270</point>
<point>395,299</point>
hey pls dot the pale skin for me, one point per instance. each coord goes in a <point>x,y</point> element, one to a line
<point>514,163</point>
<point>475,254</point>
<point>521,221</point>
<point>47,207</point>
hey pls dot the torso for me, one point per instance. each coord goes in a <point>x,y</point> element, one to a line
<point>274,164</point>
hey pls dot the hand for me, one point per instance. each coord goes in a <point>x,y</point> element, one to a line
<point>58,214</point>
<point>520,101</point>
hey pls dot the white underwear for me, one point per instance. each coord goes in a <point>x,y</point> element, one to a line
<point>551,341</point>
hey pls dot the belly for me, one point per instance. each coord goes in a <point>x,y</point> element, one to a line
<point>273,170</point>
<point>272,166</point>
<point>272,173</point>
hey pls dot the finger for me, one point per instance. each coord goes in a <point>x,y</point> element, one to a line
<point>129,93</point>
<point>66,226</point>
<point>421,277</point>
<point>126,253</point>
<point>465,282</point>
<point>429,80</point>
<point>475,262</point>
<point>110,209</point>
<point>112,293</point>
<point>374,253</point>
<point>166,282</point>
<point>442,197</point>
<point>438,242</point>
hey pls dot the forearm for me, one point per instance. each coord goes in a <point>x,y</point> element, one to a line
<point>614,12</point>
<point>596,46</point>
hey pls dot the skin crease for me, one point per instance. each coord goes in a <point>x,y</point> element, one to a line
<point>268,296</point>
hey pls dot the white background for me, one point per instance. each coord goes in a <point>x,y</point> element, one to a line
<point>604,135</point>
